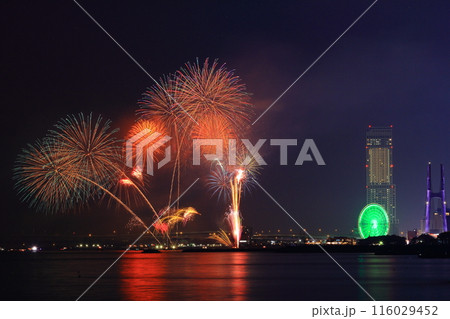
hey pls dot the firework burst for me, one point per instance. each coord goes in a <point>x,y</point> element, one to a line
<point>89,147</point>
<point>164,105</point>
<point>77,160</point>
<point>218,181</point>
<point>44,181</point>
<point>198,101</point>
<point>210,90</point>
<point>81,158</point>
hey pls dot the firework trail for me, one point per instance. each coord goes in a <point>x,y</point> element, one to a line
<point>174,216</point>
<point>124,185</point>
<point>218,181</point>
<point>81,158</point>
<point>229,182</point>
<point>234,216</point>
<point>212,96</point>
<point>222,238</point>
<point>162,105</point>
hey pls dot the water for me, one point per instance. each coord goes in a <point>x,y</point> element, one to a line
<point>221,276</point>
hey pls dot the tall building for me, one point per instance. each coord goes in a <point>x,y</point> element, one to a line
<point>379,172</point>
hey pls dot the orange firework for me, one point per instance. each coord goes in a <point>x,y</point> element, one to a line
<point>210,90</point>
<point>170,217</point>
<point>234,216</point>
<point>77,160</point>
<point>229,183</point>
<point>64,168</point>
<point>215,127</point>
<point>151,125</point>
<point>205,101</point>
<point>164,104</point>
<point>222,238</point>
<point>141,130</point>
<point>44,181</point>
<point>89,147</point>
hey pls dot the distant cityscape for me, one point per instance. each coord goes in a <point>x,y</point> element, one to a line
<point>381,189</point>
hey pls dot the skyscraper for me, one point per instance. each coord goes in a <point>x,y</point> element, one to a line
<point>379,172</point>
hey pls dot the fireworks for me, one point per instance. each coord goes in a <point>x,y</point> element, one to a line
<point>170,217</point>
<point>198,101</point>
<point>163,105</point>
<point>229,185</point>
<point>162,228</point>
<point>81,159</point>
<point>210,90</point>
<point>62,169</point>
<point>43,181</point>
<point>77,160</point>
<point>219,180</point>
<point>89,147</point>
<point>137,130</point>
<point>234,216</point>
<point>126,181</point>
<point>219,183</point>
<point>229,182</point>
<point>222,238</point>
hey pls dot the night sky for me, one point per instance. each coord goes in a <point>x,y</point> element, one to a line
<point>392,67</point>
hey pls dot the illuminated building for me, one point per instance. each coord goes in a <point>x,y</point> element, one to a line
<point>380,187</point>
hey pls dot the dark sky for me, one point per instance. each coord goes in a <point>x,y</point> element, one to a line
<point>392,67</point>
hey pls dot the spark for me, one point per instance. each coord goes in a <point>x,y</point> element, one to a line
<point>126,181</point>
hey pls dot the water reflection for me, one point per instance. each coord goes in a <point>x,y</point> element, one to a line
<point>195,276</point>
<point>221,276</point>
<point>376,274</point>
<point>239,275</point>
<point>142,277</point>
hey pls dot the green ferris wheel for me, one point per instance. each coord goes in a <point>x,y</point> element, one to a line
<point>373,221</point>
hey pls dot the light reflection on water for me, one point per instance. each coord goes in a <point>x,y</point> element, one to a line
<point>199,276</point>
<point>221,276</point>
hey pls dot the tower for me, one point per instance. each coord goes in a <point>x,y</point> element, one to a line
<point>440,195</point>
<point>380,187</point>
